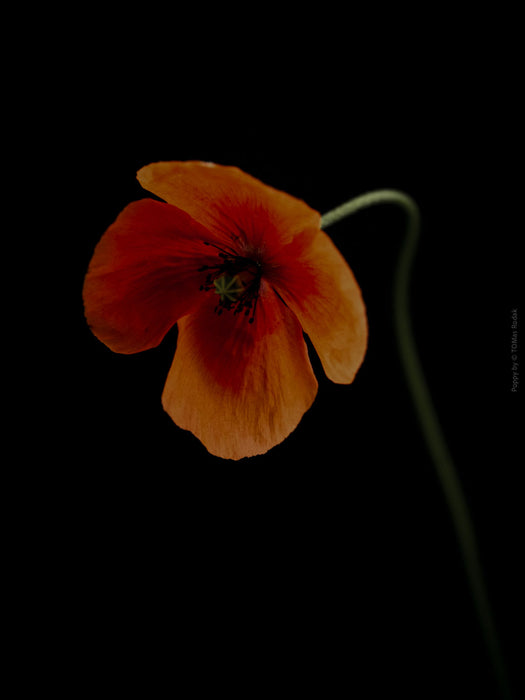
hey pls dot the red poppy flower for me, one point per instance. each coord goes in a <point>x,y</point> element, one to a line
<point>243,269</point>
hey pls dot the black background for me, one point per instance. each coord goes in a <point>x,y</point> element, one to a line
<point>331,561</point>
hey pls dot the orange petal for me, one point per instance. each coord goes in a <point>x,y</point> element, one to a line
<point>227,200</point>
<point>241,388</point>
<point>144,275</point>
<point>321,290</point>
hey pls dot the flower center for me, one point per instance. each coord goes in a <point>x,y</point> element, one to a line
<point>235,280</point>
<point>228,288</point>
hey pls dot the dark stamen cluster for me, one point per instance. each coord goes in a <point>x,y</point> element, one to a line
<point>236,279</point>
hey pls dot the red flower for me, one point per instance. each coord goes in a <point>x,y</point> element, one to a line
<point>243,269</point>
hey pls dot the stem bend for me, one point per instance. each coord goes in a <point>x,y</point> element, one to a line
<point>427,416</point>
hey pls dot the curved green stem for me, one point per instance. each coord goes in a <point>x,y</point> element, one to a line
<point>427,415</point>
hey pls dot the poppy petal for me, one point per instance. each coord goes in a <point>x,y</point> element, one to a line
<point>240,387</point>
<point>144,275</point>
<point>319,287</point>
<point>228,201</point>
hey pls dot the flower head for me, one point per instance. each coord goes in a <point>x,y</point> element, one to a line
<point>243,269</point>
